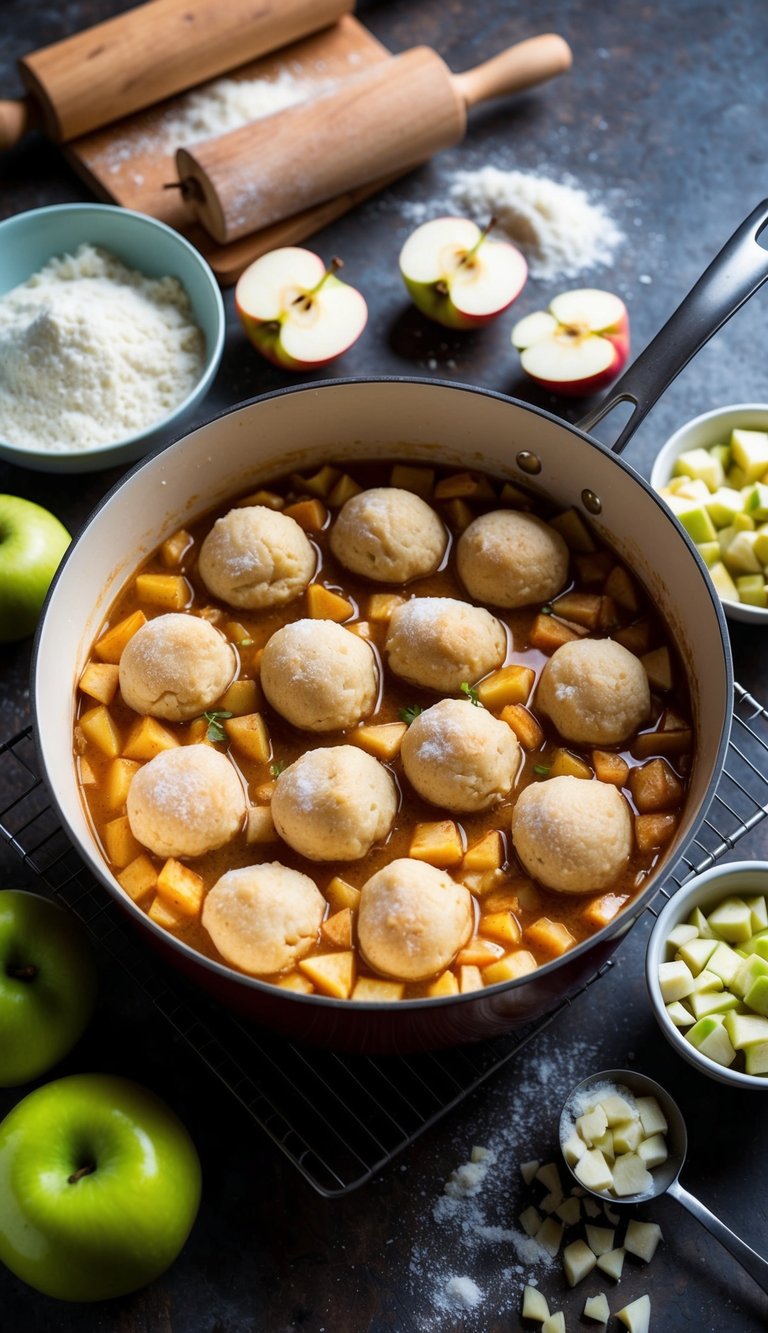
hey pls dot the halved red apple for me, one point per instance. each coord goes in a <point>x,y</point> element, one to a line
<point>296,311</point>
<point>578,345</point>
<point>458,275</point>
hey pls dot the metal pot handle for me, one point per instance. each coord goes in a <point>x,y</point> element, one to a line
<point>734,275</point>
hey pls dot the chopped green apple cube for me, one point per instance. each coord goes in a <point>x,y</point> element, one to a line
<point>698,919</point>
<point>758,907</point>
<point>702,465</point>
<point>707,980</point>
<point>675,980</point>
<point>760,547</point>
<point>758,944</point>
<point>723,506</point>
<point>697,523</point>
<point>702,1028</point>
<point>696,954</point>
<point>756,1058</point>
<point>709,552</point>
<point>651,1115</point>
<point>731,920</point>
<point>724,584</point>
<point>745,1029</point>
<point>739,555</point>
<point>756,501</point>
<point>749,450</point>
<point>752,967</point>
<point>757,996</point>
<point>712,1002</point>
<point>717,1046</point>
<point>653,1151</point>
<point>752,590</point>
<point>628,1134</point>
<point>681,1017</point>
<point>678,935</point>
<point>725,963</point>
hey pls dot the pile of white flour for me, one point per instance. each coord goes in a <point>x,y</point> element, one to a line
<point>91,352</point>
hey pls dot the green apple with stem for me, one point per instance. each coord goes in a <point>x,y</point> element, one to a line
<point>459,275</point>
<point>32,542</point>
<point>101,1186</point>
<point>297,312</point>
<point>47,985</point>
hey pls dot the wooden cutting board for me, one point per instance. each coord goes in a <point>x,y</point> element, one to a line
<point>131,162</point>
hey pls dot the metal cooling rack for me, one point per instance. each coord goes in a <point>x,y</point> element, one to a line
<point>339,1119</point>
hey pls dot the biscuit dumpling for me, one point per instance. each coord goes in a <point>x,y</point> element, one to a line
<point>412,920</point>
<point>572,834</point>
<point>510,558</point>
<point>460,757</point>
<point>389,535</point>
<point>440,642</point>
<point>594,691</point>
<point>255,557</point>
<point>186,802</point>
<point>319,676</point>
<point>333,804</point>
<point>263,918</point>
<point>175,667</point>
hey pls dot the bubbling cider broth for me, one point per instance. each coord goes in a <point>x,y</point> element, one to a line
<point>518,922</point>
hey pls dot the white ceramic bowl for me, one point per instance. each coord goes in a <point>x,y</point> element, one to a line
<point>706,890</point>
<point>701,433</point>
<point>29,240</point>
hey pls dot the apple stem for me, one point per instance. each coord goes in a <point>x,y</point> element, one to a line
<point>469,256</point>
<point>86,1170</point>
<point>305,300</point>
<point>27,973</point>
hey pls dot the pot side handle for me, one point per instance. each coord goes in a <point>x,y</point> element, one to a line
<point>734,275</point>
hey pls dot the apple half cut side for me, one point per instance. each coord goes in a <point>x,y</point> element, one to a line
<point>459,276</point>
<point>297,312</point>
<point>578,345</point>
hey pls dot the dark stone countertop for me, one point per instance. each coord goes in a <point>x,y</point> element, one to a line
<point>665,118</point>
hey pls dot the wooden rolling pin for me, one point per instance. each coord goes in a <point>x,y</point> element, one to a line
<point>377,124</point>
<point>143,56</point>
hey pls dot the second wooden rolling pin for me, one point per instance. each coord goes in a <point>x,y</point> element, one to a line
<point>378,124</point>
<point>150,53</point>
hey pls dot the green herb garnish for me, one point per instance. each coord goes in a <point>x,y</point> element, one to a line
<point>244,643</point>
<point>471,693</point>
<point>215,731</point>
<point>547,610</point>
<point>408,714</point>
<point>277,768</point>
<point>540,770</point>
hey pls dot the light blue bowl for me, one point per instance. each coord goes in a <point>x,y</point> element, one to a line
<point>29,240</point>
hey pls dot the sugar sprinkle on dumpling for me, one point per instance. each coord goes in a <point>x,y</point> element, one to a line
<point>572,834</point>
<point>263,918</point>
<point>412,919</point>
<point>319,676</point>
<point>441,642</point>
<point>175,667</point>
<point>389,535</point>
<point>186,801</point>
<point>333,804</point>
<point>460,757</point>
<point>255,557</point>
<point>594,691</point>
<point>511,558</point>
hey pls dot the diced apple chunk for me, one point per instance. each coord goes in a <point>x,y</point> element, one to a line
<point>555,1323</point>
<point>630,1175</point>
<point>119,843</point>
<point>592,1125</point>
<point>658,668</point>
<point>439,843</point>
<point>502,926</point>
<point>260,826</point>
<point>679,1015</point>
<point>163,914</point>
<point>377,990</point>
<point>250,736</point>
<point>596,1308</point>
<point>573,1147</point>
<point>652,1118</point>
<point>525,726</point>
<point>549,1236</point>
<point>549,1176</point>
<point>180,888</point>
<point>675,981</point>
<point>420,480</point>
<point>311,515</point>
<point>578,1261</point>
<point>470,979</point>
<point>593,1171</point>
<point>147,738</point>
<point>611,1263</point>
<point>445,984</point>
<point>169,592</point>
<point>513,965</point>
<point>553,938</point>
<point>652,1151</point>
<point>100,681</point>
<point>110,646</point>
<point>642,1239</point>
<point>336,930</point>
<point>383,741</point>
<point>138,878</point>
<point>324,604</point>
<point>731,921</point>
<point>610,767</point>
<point>487,854</point>
<point>569,1211</point>
<point>530,1220</point>
<point>534,1305</point>
<point>99,727</point>
<point>599,1239</point>
<point>509,685</point>
<point>118,779</point>
<point>627,1135</point>
<point>637,1315</point>
<point>332,974</point>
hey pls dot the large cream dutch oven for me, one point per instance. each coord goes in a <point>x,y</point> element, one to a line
<point>425,420</point>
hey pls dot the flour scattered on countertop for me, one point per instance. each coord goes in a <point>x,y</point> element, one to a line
<point>561,231</point>
<point>474,1217</point>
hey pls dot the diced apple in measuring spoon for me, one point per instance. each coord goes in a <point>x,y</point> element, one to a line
<point>578,345</point>
<point>459,275</point>
<point>296,311</point>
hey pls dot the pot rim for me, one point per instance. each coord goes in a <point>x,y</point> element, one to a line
<point>624,920</point>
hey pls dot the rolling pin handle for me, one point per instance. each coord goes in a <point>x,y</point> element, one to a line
<point>519,67</point>
<point>15,120</point>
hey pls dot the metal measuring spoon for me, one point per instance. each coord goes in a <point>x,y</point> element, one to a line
<point>665,1177</point>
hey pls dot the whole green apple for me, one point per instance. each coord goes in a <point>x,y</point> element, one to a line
<point>47,985</point>
<point>101,1186</point>
<point>32,542</point>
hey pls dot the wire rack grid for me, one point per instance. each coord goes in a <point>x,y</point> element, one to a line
<point>338,1118</point>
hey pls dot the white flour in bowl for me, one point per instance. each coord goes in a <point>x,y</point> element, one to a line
<point>92,352</point>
